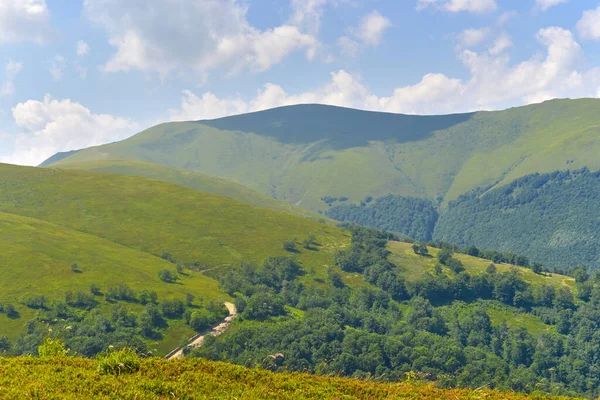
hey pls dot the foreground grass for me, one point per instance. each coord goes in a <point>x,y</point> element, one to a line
<point>74,378</point>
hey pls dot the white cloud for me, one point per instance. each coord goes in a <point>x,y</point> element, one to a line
<point>308,14</point>
<point>589,24</point>
<point>539,78</point>
<point>369,33</point>
<point>11,70</point>
<point>82,48</point>
<point>24,20</point>
<point>473,37</point>
<point>372,27</point>
<point>57,68</point>
<point>546,4</point>
<point>502,43</point>
<point>52,126</point>
<point>473,6</point>
<point>166,35</point>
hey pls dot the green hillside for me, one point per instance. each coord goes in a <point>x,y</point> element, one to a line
<point>74,378</point>
<point>157,217</point>
<point>414,266</point>
<point>189,179</point>
<point>302,153</point>
<point>36,259</point>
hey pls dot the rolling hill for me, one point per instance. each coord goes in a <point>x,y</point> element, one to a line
<point>193,180</point>
<point>300,154</point>
<point>36,259</point>
<point>158,217</point>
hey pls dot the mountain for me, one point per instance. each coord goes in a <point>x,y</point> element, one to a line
<point>302,153</point>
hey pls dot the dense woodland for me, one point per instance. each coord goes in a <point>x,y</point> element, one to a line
<point>552,218</point>
<point>390,328</point>
<point>409,216</point>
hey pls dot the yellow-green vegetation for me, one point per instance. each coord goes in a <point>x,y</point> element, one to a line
<point>302,153</point>
<point>413,266</point>
<point>157,217</point>
<point>193,180</point>
<point>36,259</point>
<point>74,378</point>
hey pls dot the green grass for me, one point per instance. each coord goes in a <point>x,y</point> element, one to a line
<point>193,180</point>
<point>157,217</point>
<point>36,258</point>
<point>299,154</point>
<point>74,378</point>
<point>413,266</point>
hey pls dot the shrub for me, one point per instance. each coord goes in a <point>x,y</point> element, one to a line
<point>167,276</point>
<point>289,245</point>
<point>52,348</point>
<point>119,362</point>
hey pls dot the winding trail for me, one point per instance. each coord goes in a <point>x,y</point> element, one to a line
<point>198,340</point>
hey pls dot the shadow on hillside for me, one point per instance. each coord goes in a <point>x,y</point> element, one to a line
<point>342,128</point>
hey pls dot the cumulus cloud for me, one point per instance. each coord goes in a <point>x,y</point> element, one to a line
<point>54,125</point>
<point>82,48</point>
<point>368,34</point>
<point>546,4</point>
<point>589,24</point>
<point>166,35</point>
<point>539,78</point>
<point>24,20</point>
<point>454,6</point>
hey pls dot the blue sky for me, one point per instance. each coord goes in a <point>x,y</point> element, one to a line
<point>79,73</point>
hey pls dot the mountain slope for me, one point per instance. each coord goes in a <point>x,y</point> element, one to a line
<point>36,259</point>
<point>302,153</point>
<point>158,217</point>
<point>189,179</point>
<point>553,218</point>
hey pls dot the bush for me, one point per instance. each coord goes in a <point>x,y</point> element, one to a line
<point>167,276</point>
<point>52,348</point>
<point>119,362</point>
<point>289,245</point>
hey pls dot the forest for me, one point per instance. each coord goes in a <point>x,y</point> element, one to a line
<point>410,216</point>
<point>437,328</point>
<point>552,218</point>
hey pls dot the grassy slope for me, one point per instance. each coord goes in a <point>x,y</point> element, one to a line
<point>413,266</point>
<point>193,180</point>
<point>72,378</point>
<point>36,258</point>
<point>352,153</point>
<point>157,217</point>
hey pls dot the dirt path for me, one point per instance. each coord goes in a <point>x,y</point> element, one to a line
<point>198,340</point>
